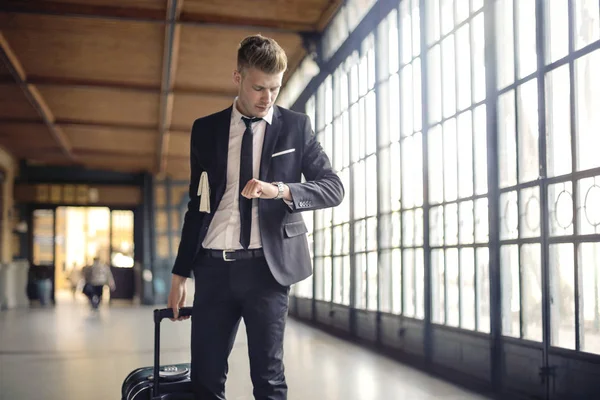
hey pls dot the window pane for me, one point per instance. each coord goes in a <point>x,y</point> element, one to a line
<point>462,11</point>
<point>360,229</point>
<point>505,42</point>
<point>363,76</point>
<point>452,287</point>
<point>562,292</point>
<point>511,303</point>
<point>435,85</point>
<point>412,161</point>
<point>337,280</point>
<point>419,227</point>
<point>589,206</point>
<point>433,21</point>
<point>395,186</point>
<point>408,271</point>
<point>436,222</point>
<point>531,277</point>
<point>408,228</point>
<point>483,290</point>
<point>346,277</point>
<point>557,29</point>
<point>396,281</point>
<point>419,284</point>
<point>463,59</point>
<point>318,272</point>
<point>587,22</point>
<point>394,108</point>
<point>392,37</point>
<point>589,267</point>
<point>327,279</point>
<point>528,132</point>
<point>373,290</point>
<point>362,129</point>
<point>507,140</point>
<point>355,131</point>
<point>527,61</point>
<point>396,230</point>
<point>359,188</point>
<point>371,234</point>
<point>407,100</point>
<point>509,216</point>
<point>361,281</point>
<point>560,208</point>
<point>405,23</point>
<point>371,185</point>
<point>587,103</point>
<point>480,143</point>
<point>465,155</point>
<point>416,29</point>
<point>558,116</point>
<point>346,245</point>
<point>478,35</point>
<point>467,288</point>
<point>346,139</point>
<point>530,212</point>
<point>451,224</point>
<point>466,223</point>
<point>481,221</point>
<point>450,161</point>
<point>371,127</point>
<point>448,76</point>
<point>385,282</point>
<point>436,166</point>
<point>447,13</point>
<point>385,184</point>
<point>417,116</point>
<point>438,279</point>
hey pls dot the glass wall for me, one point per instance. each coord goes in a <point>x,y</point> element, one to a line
<point>405,121</point>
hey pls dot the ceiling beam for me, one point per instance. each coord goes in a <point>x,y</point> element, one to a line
<point>115,85</point>
<point>143,128</point>
<point>170,58</point>
<point>148,16</point>
<point>34,96</point>
<point>245,22</point>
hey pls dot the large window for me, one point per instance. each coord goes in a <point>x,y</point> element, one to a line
<point>562,157</point>
<point>457,160</point>
<point>372,120</point>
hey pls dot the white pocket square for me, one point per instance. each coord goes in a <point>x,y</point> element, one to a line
<point>204,193</point>
<point>283,152</point>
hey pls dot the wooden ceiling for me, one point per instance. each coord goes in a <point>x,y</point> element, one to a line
<point>116,85</point>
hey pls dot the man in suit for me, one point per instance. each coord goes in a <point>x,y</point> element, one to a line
<point>243,235</point>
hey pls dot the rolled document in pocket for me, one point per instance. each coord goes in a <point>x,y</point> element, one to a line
<point>204,193</point>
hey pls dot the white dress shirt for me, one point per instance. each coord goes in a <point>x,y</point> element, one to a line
<point>224,230</point>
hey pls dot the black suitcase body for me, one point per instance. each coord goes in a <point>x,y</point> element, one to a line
<point>174,382</point>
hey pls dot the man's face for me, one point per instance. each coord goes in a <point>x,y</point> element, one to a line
<point>257,91</point>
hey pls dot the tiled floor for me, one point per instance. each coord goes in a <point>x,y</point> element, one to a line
<point>70,353</point>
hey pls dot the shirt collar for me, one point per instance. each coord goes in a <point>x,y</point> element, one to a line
<point>236,116</point>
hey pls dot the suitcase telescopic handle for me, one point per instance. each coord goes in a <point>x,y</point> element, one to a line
<point>159,315</point>
<point>163,313</point>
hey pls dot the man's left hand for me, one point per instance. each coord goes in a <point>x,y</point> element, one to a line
<point>256,189</point>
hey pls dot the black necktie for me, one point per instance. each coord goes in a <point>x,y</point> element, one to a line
<point>245,176</point>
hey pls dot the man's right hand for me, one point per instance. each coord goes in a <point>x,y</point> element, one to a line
<point>177,296</point>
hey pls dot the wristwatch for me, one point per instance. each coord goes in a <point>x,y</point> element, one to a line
<point>280,187</point>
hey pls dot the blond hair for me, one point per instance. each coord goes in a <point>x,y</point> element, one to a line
<point>262,53</point>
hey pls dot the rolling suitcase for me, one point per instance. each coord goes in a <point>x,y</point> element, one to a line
<point>174,382</point>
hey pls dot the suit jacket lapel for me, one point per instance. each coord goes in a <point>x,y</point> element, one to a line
<point>271,135</point>
<point>221,131</point>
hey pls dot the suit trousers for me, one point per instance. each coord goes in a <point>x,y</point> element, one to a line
<point>225,292</point>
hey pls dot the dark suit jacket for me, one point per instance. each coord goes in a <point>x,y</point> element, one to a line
<point>283,232</point>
